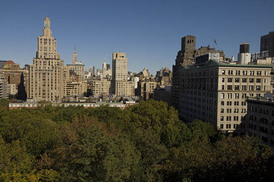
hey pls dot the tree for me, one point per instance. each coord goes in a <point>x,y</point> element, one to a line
<point>90,152</point>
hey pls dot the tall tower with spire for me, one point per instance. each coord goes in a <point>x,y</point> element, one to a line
<point>46,75</point>
<point>74,57</point>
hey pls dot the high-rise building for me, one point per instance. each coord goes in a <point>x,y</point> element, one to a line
<point>184,57</point>
<point>267,43</point>
<point>74,57</point>
<point>105,72</point>
<point>76,69</point>
<point>188,48</point>
<point>120,85</point>
<point>16,79</point>
<point>45,76</point>
<point>217,92</point>
<point>119,66</point>
<point>100,87</point>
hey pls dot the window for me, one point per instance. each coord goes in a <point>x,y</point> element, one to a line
<point>229,103</point>
<point>243,103</point>
<point>237,79</point>
<point>222,103</point>
<point>228,126</point>
<point>222,95</point>
<point>237,96</point>
<point>223,72</point>
<point>228,110</point>
<point>251,72</point>
<point>251,87</point>
<point>243,87</point>
<point>229,95</point>
<point>229,87</point>
<point>258,87</point>
<point>238,72</point>
<point>258,80</point>
<point>251,80</point>
<point>228,118</point>
<point>221,126</point>
<point>223,79</point>
<point>237,87</point>
<point>221,118</point>
<point>236,118</point>
<point>222,110</point>
<point>244,80</point>
<point>223,87</point>
<point>229,80</point>
<point>259,73</point>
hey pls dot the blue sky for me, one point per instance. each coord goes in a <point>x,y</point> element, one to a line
<point>148,31</point>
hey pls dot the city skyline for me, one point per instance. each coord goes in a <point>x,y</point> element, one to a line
<point>147,32</point>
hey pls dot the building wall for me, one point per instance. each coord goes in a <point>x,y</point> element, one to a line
<point>216,93</point>
<point>3,87</point>
<point>124,88</point>
<point>46,75</point>
<point>120,85</point>
<point>100,87</point>
<point>17,78</point>
<point>78,69</point>
<point>267,43</point>
<point>75,89</point>
<point>260,119</point>
<point>119,66</point>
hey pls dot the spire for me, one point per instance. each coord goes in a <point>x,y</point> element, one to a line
<point>47,22</point>
<point>74,57</point>
<point>105,65</point>
<point>46,30</point>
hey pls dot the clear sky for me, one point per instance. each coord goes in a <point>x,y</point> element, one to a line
<point>148,31</point>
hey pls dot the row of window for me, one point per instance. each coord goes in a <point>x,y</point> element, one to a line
<point>232,96</point>
<point>243,72</point>
<point>244,87</point>
<point>228,126</point>
<point>235,103</point>
<point>244,80</point>
<point>235,110</point>
<point>261,110</point>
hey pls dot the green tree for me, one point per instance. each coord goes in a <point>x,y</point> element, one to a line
<point>90,152</point>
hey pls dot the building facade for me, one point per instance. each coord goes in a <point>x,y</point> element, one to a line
<point>120,86</point>
<point>267,43</point>
<point>45,76</point>
<point>259,120</point>
<point>217,92</point>
<point>100,87</point>
<point>3,87</point>
<point>16,79</point>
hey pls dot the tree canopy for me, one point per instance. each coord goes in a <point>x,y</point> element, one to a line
<point>144,142</point>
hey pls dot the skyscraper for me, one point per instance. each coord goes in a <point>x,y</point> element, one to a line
<point>74,57</point>
<point>46,78</point>
<point>184,57</point>
<point>120,86</point>
<point>267,43</point>
<point>77,68</point>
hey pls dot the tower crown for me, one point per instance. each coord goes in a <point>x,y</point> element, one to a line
<point>46,30</point>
